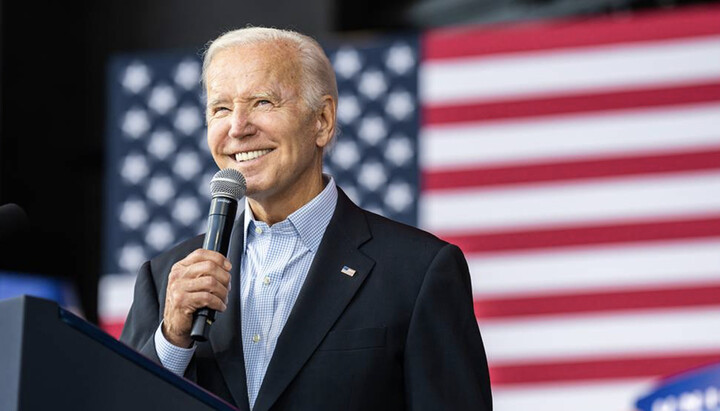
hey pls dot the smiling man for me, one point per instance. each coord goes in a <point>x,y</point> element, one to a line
<point>333,308</point>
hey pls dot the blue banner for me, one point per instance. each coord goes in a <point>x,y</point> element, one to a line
<point>697,390</point>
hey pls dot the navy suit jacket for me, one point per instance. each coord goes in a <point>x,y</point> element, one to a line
<point>399,334</point>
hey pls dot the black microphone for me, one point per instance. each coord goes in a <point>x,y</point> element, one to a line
<point>13,221</point>
<point>226,187</point>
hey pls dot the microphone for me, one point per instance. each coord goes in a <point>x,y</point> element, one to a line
<point>13,221</point>
<point>226,187</point>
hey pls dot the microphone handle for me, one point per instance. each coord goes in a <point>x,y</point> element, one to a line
<point>220,223</point>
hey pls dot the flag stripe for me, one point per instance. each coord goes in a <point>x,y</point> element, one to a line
<point>587,235</point>
<point>116,292</point>
<point>618,395</point>
<point>113,328</point>
<point>570,170</point>
<point>600,369</point>
<point>581,103</point>
<point>600,268</point>
<point>619,300</point>
<point>465,42</point>
<point>590,135</point>
<point>602,335</point>
<point>607,200</point>
<point>521,76</point>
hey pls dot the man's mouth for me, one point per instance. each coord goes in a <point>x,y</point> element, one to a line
<point>250,155</point>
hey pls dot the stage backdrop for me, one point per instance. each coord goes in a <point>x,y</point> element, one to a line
<point>576,163</point>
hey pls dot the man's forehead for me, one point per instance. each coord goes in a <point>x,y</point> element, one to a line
<point>274,54</point>
<point>260,69</point>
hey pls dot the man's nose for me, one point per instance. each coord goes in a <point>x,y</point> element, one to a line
<point>240,124</point>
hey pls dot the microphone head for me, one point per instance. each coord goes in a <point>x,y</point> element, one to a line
<point>13,220</point>
<point>228,183</point>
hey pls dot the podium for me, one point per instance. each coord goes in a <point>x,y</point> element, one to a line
<point>52,359</point>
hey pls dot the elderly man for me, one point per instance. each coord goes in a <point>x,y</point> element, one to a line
<point>322,305</point>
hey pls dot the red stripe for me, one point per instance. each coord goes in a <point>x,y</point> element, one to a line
<point>487,242</point>
<point>626,299</point>
<point>568,104</point>
<point>472,41</point>
<point>570,170</point>
<point>597,369</point>
<point>112,328</point>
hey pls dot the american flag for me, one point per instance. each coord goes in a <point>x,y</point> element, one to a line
<point>576,163</point>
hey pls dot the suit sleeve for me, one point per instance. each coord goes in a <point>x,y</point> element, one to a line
<point>445,363</point>
<point>144,316</point>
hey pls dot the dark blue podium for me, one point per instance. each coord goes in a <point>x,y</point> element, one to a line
<point>52,359</point>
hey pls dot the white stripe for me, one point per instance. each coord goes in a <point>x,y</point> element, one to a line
<point>650,332</point>
<point>115,296</point>
<point>549,72</point>
<point>597,269</point>
<point>603,200</point>
<point>595,135</point>
<point>595,396</point>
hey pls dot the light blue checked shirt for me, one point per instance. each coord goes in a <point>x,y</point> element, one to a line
<point>276,260</point>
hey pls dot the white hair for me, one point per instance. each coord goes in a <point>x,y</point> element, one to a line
<point>317,75</point>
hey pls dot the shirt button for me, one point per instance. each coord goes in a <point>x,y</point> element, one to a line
<point>266,280</point>
<point>258,230</point>
<point>256,338</point>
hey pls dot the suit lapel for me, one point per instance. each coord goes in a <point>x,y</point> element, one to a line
<point>225,334</point>
<point>323,298</point>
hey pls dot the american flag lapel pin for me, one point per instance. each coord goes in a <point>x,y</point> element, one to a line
<point>348,271</point>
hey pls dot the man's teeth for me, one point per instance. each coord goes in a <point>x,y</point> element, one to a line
<point>250,155</point>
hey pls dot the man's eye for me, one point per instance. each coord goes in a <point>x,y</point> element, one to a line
<point>263,102</point>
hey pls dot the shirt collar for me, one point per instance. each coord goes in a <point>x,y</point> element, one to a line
<point>310,220</point>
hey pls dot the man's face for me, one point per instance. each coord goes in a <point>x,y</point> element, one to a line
<point>258,122</point>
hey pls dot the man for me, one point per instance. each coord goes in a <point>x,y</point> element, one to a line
<point>322,305</point>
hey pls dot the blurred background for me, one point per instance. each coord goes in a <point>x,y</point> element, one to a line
<point>570,148</point>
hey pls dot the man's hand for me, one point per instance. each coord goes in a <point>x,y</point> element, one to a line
<point>202,279</point>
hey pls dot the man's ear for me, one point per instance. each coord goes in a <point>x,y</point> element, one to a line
<point>325,121</point>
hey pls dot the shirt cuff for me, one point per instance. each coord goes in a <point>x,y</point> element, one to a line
<point>172,357</point>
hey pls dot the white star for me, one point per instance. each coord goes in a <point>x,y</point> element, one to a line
<point>133,214</point>
<point>346,62</point>
<point>186,210</point>
<point>345,154</point>
<point>134,168</point>
<point>187,74</point>
<point>372,84</point>
<point>131,257</point>
<point>204,185</point>
<point>398,196</point>
<point>159,235</point>
<point>160,189</point>
<point>136,77</point>
<point>372,129</point>
<point>161,144</point>
<point>187,165</point>
<point>400,58</point>
<point>399,150</point>
<point>348,109</point>
<point>187,119</point>
<point>135,123</point>
<point>372,175</point>
<point>162,99</point>
<point>399,105</point>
